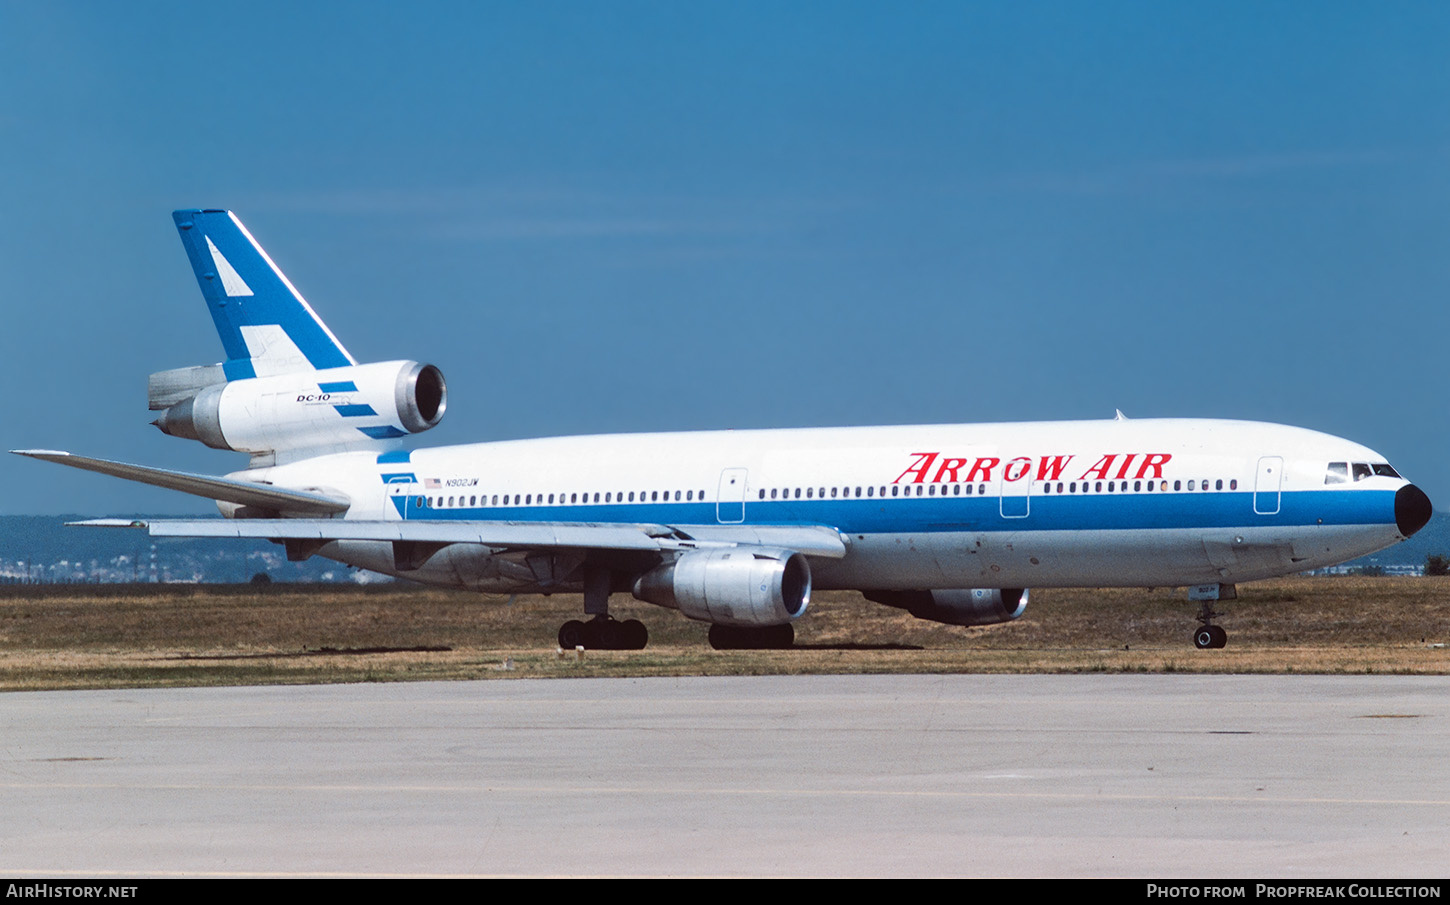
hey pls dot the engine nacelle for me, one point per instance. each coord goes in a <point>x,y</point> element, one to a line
<point>334,409</point>
<point>744,586</point>
<point>974,606</point>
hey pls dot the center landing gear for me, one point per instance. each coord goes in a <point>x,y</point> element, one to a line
<point>603,631</point>
<point>1210,636</point>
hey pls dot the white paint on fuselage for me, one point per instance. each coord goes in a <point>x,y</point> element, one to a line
<point>1076,537</point>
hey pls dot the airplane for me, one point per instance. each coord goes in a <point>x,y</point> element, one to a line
<point>952,523</point>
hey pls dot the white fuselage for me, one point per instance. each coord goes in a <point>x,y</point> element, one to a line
<point>1043,504</point>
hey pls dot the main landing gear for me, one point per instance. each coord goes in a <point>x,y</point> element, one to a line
<point>734,637</point>
<point>1209,636</point>
<point>603,631</point>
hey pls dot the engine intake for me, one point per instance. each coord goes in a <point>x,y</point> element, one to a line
<point>732,586</point>
<point>973,606</point>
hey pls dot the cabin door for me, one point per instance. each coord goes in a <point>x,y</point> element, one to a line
<point>1267,482</point>
<point>730,502</point>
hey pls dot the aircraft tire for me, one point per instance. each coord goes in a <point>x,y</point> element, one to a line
<point>573,634</point>
<point>610,635</point>
<point>1203,638</point>
<point>636,636</point>
<point>771,637</point>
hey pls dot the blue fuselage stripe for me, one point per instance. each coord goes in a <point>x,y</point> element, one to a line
<point>1090,512</point>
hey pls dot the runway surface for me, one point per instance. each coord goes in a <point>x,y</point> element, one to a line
<point>1154,776</point>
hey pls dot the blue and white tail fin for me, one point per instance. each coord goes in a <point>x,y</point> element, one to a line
<point>266,326</point>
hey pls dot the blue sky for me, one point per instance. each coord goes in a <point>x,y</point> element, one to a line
<point>600,217</point>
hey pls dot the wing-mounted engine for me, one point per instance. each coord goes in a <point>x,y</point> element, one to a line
<point>330,410</point>
<point>973,606</point>
<point>741,586</point>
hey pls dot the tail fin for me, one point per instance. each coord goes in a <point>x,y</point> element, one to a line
<point>266,326</point>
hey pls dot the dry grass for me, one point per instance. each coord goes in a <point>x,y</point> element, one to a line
<point>146,635</point>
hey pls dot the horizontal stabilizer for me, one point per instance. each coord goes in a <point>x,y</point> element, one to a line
<point>230,490</point>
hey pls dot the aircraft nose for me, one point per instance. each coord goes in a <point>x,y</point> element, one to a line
<point>1412,509</point>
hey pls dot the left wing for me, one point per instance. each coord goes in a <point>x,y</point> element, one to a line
<point>812,540</point>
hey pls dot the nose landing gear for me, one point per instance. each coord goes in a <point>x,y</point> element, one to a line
<point>1209,636</point>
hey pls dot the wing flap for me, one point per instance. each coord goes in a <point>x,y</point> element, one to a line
<point>812,540</point>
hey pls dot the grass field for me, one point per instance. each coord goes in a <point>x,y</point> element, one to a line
<point>112,636</point>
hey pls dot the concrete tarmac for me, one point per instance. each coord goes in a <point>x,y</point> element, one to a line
<point>1151,776</point>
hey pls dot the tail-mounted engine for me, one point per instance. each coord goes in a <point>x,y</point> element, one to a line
<point>732,586</point>
<point>974,606</point>
<point>334,409</point>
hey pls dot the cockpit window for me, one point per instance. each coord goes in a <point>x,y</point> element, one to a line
<point>1338,473</point>
<point>1361,471</point>
<point>1384,470</point>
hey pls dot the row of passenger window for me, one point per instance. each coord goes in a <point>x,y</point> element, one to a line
<point>810,493</point>
<point>1045,487</point>
<point>563,499</point>
<point>1139,486</point>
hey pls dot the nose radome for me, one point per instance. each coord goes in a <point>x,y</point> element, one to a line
<point>1412,509</point>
